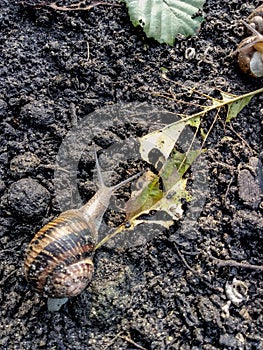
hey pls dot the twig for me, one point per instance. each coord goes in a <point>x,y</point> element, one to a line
<point>183,260</point>
<point>73,114</point>
<point>241,138</point>
<point>113,341</point>
<point>129,340</point>
<point>125,337</point>
<point>11,250</point>
<point>234,263</point>
<point>80,6</point>
<point>228,188</point>
<point>7,277</point>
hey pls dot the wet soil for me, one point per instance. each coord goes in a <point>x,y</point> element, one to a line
<point>183,289</point>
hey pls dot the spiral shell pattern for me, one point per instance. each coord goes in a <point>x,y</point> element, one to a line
<point>256,19</point>
<point>58,259</point>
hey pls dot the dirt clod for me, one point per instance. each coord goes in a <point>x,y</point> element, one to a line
<point>28,199</point>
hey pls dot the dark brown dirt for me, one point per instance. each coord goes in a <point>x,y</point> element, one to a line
<point>144,296</point>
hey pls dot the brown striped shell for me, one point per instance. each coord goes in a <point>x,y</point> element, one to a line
<point>58,259</point>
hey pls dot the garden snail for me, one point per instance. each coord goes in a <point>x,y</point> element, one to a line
<point>256,19</point>
<point>250,50</point>
<point>58,260</point>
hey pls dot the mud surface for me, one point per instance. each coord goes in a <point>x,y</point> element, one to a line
<point>56,69</point>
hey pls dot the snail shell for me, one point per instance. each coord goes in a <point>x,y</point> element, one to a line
<point>250,60</point>
<point>256,19</point>
<point>250,54</point>
<point>58,259</point>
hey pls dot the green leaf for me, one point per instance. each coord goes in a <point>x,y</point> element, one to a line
<point>177,165</point>
<point>145,197</point>
<point>233,108</point>
<point>150,197</point>
<point>169,202</point>
<point>164,19</point>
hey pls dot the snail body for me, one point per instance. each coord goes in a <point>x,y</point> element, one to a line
<point>250,53</point>
<point>58,260</point>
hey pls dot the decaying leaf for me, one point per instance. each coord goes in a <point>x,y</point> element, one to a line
<point>147,194</point>
<point>177,165</point>
<point>166,191</point>
<point>235,103</point>
<point>164,140</point>
<point>168,200</point>
<point>170,203</point>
